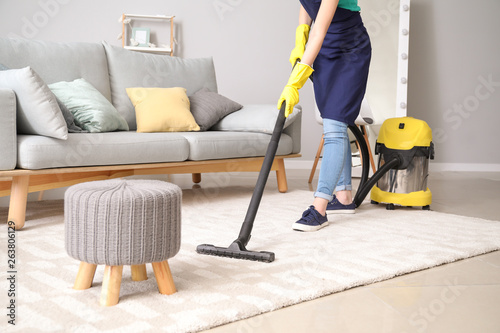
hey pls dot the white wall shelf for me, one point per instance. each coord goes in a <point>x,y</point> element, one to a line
<point>157,50</point>
<point>149,49</point>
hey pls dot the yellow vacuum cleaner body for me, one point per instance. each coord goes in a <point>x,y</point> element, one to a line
<point>409,141</point>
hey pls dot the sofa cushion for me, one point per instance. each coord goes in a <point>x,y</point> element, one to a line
<point>92,111</point>
<point>255,118</point>
<point>56,61</point>
<point>111,148</point>
<point>209,107</point>
<point>128,69</point>
<point>212,145</point>
<point>37,108</point>
<point>162,110</point>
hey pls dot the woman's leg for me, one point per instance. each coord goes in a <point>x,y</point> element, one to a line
<point>335,154</point>
<point>344,185</point>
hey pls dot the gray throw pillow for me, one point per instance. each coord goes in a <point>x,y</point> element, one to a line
<point>68,116</point>
<point>37,109</point>
<point>259,118</point>
<point>209,107</point>
<point>92,111</point>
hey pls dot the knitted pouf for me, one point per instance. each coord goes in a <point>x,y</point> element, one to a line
<point>122,222</point>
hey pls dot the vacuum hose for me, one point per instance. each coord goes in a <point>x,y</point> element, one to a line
<point>364,153</point>
<point>365,188</point>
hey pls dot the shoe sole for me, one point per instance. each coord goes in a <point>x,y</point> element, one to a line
<point>307,228</point>
<point>340,211</point>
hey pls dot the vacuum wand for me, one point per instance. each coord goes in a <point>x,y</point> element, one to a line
<point>237,249</point>
<point>246,228</point>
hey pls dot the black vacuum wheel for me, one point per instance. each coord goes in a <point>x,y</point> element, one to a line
<point>389,206</point>
<point>426,207</point>
<point>373,202</point>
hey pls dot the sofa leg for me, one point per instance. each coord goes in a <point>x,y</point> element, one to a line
<point>18,200</point>
<point>196,178</point>
<point>281,176</point>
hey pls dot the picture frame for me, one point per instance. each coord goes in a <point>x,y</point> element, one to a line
<point>141,36</point>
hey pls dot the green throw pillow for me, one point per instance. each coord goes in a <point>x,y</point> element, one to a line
<point>92,111</point>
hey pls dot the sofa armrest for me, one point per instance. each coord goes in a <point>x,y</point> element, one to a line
<point>8,130</point>
<point>294,130</point>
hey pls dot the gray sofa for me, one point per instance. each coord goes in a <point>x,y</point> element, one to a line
<point>31,162</point>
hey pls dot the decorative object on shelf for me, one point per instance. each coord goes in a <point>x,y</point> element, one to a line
<point>140,39</point>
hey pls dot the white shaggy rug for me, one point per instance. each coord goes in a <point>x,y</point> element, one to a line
<point>372,245</point>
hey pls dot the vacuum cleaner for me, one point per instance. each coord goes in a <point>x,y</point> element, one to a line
<point>404,144</point>
<point>404,147</point>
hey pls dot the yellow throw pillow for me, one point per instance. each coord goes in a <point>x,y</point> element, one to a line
<point>162,110</point>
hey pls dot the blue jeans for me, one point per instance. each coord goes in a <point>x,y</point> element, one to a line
<point>335,171</point>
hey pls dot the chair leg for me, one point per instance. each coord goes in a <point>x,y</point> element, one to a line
<point>110,293</point>
<point>18,200</point>
<point>139,272</point>
<point>85,276</point>
<point>281,176</point>
<point>365,135</point>
<point>316,159</point>
<point>164,278</point>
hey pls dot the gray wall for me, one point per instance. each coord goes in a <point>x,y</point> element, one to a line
<point>454,52</point>
<point>454,79</point>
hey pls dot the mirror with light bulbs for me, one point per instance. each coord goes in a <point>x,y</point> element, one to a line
<point>388,24</point>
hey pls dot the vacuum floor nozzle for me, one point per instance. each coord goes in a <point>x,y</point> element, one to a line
<point>235,250</point>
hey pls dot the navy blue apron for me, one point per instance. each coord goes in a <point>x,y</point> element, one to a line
<point>341,67</point>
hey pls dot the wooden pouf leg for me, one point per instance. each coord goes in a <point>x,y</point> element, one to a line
<point>139,272</point>
<point>85,276</point>
<point>110,293</point>
<point>164,278</point>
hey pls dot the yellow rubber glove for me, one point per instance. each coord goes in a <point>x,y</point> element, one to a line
<point>290,94</point>
<point>301,37</point>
